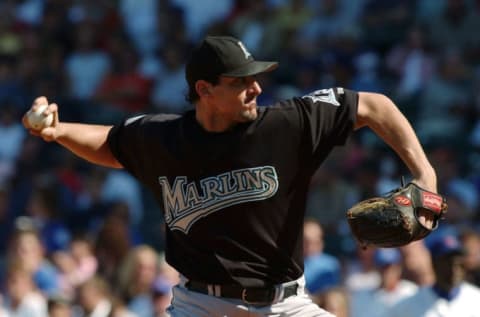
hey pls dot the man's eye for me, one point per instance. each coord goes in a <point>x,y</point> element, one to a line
<point>239,82</point>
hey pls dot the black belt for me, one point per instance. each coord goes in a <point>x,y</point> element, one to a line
<point>253,296</point>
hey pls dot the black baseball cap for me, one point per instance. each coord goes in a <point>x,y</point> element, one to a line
<point>223,56</point>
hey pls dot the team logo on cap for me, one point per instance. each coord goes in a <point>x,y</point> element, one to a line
<point>246,53</point>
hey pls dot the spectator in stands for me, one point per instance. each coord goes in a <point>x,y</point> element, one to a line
<point>162,296</point>
<point>450,295</point>
<point>452,26</point>
<point>331,17</point>
<point>76,265</point>
<point>112,244</point>
<point>360,273</point>
<point>96,300</point>
<point>250,25</point>
<point>384,22</point>
<point>334,300</point>
<point>141,23</point>
<point>417,263</point>
<point>124,89</point>
<point>322,270</point>
<point>367,73</point>
<point>460,191</point>
<point>412,64</point>
<point>329,195</point>
<point>23,299</point>
<point>197,19</point>
<point>59,306</point>
<point>42,208</point>
<point>28,253</point>
<point>12,138</point>
<point>444,100</point>
<point>392,288</point>
<point>120,187</point>
<point>136,279</point>
<point>470,240</point>
<point>170,86</point>
<point>87,65</point>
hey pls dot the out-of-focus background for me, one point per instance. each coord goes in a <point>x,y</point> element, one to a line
<point>74,236</point>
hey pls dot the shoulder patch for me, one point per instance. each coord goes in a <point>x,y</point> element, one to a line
<point>325,95</point>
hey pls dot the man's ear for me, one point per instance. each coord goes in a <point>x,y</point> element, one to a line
<point>203,88</point>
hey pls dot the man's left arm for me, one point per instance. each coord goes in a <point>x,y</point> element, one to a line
<point>380,114</point>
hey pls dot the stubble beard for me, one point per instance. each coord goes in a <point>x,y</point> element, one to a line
<point>249,114</point>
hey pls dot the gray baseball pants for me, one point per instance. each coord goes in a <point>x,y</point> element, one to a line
<point>186,303</point>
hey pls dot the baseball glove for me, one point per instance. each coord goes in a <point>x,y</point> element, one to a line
<point>392,221</point>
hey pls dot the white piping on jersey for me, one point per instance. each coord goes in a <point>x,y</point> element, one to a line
<point>133,119</point>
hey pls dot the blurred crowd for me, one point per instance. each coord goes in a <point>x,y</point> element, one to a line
<point>80,240</point>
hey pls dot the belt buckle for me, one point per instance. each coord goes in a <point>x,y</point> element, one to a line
<point>244,298</point>
<point>246,301</point>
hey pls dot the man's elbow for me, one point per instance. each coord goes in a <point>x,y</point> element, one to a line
<point>371,107</point>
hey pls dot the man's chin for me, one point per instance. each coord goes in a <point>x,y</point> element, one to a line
<point>250,114</point>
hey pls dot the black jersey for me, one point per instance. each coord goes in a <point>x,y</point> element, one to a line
<point>234,201</point>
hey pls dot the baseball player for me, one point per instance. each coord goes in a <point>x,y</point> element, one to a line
<point>232,178</point>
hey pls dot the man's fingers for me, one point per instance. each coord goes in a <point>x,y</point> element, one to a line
<point>39,101</point>
<point>34,132</point>
<point>52,109</point>
<point>426,218</point>
<point>426,222</point>
<point>46,133</point>
<point>25,121</point>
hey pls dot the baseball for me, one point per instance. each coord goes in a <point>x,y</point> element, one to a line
<point>37,120</point>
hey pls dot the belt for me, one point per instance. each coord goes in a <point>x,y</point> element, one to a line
<point>253,296</point>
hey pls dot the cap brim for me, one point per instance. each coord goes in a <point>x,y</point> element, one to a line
<point>253,68</point>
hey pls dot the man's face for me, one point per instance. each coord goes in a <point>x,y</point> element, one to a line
<point>391,275</point>
<point>60,310</point>
<point>449,270</point>
<point>235,98</point>
<point>312,239</point>
<point>19,284</point>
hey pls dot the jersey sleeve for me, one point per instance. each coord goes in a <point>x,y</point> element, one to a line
<point>327,118</point>
<point>126,141</point>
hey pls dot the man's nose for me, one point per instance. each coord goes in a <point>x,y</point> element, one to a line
<point>255,88</point>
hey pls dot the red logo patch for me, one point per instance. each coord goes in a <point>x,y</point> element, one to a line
<point>432,201</point>
<point>402,200</point>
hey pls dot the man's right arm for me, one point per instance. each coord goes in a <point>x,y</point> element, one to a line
<point>85,140</point>
<point>88,142</point>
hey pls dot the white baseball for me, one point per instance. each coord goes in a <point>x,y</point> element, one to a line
<point>37,120</point>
